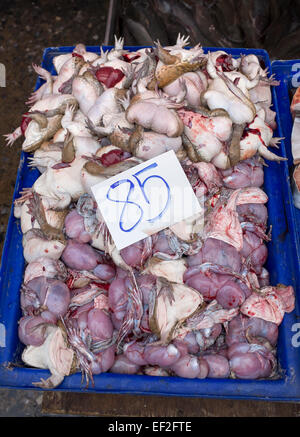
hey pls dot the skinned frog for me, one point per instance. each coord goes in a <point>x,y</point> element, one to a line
<point>257,137</point>
<point>223,93</point>
<point>204,137</point>
<point>47,155</point>
<point>178,50</point>
<point>43,121</point>
<point>86,89</point>
<point>56,84</point>
<point>147,144</point>
<point>60,186</point>
<point>260,94</point>
<point>54,354</point>
<point>172,66</point>
<point>220,61</point>
<point>66,66</point>
<point>66,150</point>
<point>195,82</point>
<point>156,113</point>
<point>34,213</point>
<point>80,49</point>
<point>106,103</point>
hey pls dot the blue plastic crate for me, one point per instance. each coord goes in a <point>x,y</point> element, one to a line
<point>288,73</point>
<point>282,263</point>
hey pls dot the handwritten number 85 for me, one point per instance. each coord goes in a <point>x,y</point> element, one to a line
<point>142,187</point>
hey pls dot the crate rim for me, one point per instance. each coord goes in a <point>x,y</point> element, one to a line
<point>283,389</point>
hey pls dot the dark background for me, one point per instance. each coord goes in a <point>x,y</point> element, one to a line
<point>26,28</point>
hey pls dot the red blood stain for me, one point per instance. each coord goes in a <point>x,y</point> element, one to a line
<point>60,165</point>
<point>250,130</point>
<point>100,285</point>
<point>77,55</point>
<point>225,62</point>
<point>128,58</point>
<point>69,283</point>
<point>112,157</point>
<point>24,123</point>
<point>214,199</point>
<point>109,76</point>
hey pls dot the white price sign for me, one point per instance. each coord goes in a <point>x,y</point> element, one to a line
<point>146,199</point>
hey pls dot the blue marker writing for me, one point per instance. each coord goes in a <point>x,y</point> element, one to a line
<point>127,201</point>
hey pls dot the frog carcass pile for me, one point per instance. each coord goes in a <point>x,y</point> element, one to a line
<point>192,301</point>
